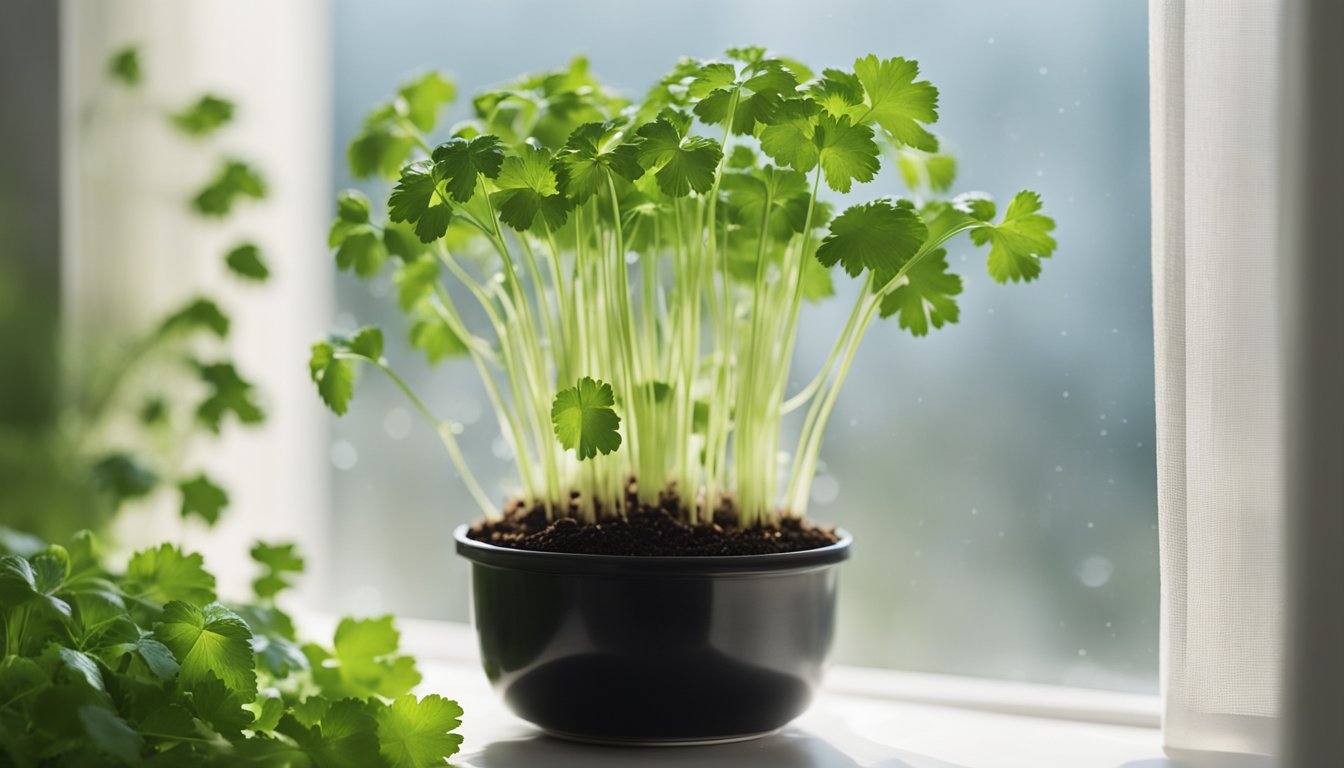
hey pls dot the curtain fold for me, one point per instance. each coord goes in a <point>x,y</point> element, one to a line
<point>1215,106</point>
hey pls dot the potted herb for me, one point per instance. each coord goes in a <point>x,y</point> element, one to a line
<point>627,278</point>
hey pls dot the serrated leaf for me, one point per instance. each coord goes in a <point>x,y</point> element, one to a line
<point>458,163</point>
<point>334,377</point>
<point>897,102</point>
<point>415,280</point>
<point>1019,241</point>
<point>363,661</point>
<point>680,163</point>
<point>585,420</point>
<point>527,187</point>
<point>162,574</point>
<point>594,153</point>
<point>416,734</point>
<point>925,297</point>
<point>209,641</point>
<point>877,236</point>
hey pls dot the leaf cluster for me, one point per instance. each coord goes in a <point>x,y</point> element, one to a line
<point>148,667</point>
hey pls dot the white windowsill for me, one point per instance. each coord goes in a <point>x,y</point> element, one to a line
<point>865,718</point>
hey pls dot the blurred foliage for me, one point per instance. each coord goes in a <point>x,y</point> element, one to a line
<point>74,450</point>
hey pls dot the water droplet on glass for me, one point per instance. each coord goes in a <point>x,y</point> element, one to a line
<point>1066,394</point>
<point>343,455</point>
<point>991,42</point>
<point>1044,70</point>
<point>1082,651</point>
<point>468,411</point>
<point>501,448</point>
<point>1103,433</point>
<point>974,511</point>
<point>1059,468</point>
<point>397,423</point>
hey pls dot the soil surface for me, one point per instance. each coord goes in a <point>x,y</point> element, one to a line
<point>660,531</point>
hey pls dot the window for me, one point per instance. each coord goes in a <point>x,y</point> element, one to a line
<point>998,475</point>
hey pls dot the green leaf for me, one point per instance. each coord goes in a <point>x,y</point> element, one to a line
<point>585,420</point>
<point>816,280</point>
<point>162,574</point>
<point>432,335</point>
<point>209,641</point>
<point>80,667</point>
<point>458,162</point>
<point>20,679</point>
<point>415,200</point>
<point>199,313</point>
<point>758,88</point>
<point>741,158</point>
<point>415,734</point>
<point>278,561</point>
<point>594,153</point>
<point>803,136</point>
<point>897,102</point>
<point>363,661</point>
<point>334,377</point>
<point>381,146</point>
<point>877,235</point>
<point>155,655</point>
<point>205,116</point>
<point>213,700</point>
<point>839,93</point>
<point>422,98</point>
<point>1019,241</point>
<point>109,733</point>
<point>359,248</point>
<point>202,497</point>
<point>415,280</point>
<point>124,65</point>
<point>925,295</point>
<point>347,736</point>
<point>680,163</point>
<point>368,342</point>
<point>122,477</point>
<point>229,393</point>
<point>352,206</point>
<point>847,152</point>
<point>527,186</point>
<point>235,180</point>
<point>21,582</point>
<point>245,261</point>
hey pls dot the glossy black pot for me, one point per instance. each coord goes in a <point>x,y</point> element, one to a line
<point>654,650</point>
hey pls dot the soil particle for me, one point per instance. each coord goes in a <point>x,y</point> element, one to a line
<point>659,531</point>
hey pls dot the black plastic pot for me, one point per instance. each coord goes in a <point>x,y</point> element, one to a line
<point>654,650</point>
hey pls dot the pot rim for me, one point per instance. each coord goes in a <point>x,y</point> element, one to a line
<point>635,565</point>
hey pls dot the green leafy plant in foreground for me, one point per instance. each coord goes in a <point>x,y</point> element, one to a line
<point>627,277</point>
<point>146,666</point>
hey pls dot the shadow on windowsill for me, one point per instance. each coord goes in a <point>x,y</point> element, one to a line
<point>791,748</point>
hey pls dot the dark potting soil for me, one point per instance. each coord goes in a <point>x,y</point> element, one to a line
<point>660,531</point>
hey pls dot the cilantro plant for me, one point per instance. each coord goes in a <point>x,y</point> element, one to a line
<point>146,666</point>
<point>174,379</point>
<point>627,278</point>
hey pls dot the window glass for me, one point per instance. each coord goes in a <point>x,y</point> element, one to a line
<point>998,475</point>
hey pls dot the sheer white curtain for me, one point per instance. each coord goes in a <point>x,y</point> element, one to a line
<point>1215,121</point>
<point>1248,157</point>
<point>132,251</point>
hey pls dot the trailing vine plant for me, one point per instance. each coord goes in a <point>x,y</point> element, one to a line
<point>627,278</point>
